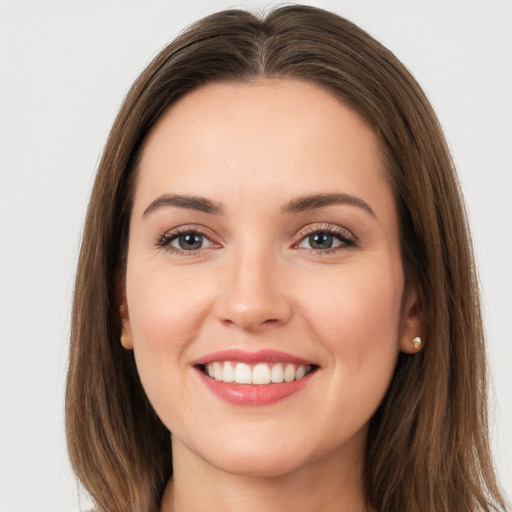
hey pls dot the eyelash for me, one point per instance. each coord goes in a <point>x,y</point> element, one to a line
<point>346,238</point>
<point>167,238</point>
<point>343,235</point>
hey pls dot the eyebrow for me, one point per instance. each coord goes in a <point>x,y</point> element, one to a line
<point>306,203</point>
<point>184,201</point>
<point>300,204</point>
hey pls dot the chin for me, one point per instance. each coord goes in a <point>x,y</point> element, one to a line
<point>269,465</point>
<point>264,456</point>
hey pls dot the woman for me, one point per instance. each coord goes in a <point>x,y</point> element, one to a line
<point>275,303</point>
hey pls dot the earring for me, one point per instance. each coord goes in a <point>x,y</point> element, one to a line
<point>123,339</point>
<point>417,342</point>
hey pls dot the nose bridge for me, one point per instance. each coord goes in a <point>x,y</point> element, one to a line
<point>253,297</point>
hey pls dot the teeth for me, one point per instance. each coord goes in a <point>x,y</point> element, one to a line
<point>243,374</point>
<point>261,373</point>
<point>217,371</point>
<point>276,375</point>
<point>228,373</point>
<point>301,371</point>
<point>289,373</point>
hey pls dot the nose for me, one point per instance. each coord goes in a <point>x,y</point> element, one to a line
<point>253,296</point>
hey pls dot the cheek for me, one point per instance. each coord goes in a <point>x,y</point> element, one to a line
<point>164,308</point>
<point>357,324</point>
<point>357,316</point>
<point>166,312</point>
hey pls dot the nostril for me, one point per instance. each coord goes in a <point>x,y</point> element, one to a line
<point>251,324</point>
<point>253,313</point>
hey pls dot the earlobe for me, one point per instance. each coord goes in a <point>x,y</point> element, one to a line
<point>126,333</point>
<point>411,337</point>
<point>126,341</point>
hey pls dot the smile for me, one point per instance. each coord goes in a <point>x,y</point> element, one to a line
<point>257,374</point>
<point>257,378</point>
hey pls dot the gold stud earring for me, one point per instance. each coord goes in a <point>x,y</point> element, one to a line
<point>123,339</point>
<point>417,342</point>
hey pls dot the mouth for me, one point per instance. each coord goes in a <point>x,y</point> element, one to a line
<point>254,378</point>
<point>259,374</point>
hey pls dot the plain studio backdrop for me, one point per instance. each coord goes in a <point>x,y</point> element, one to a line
<point>65,67</point>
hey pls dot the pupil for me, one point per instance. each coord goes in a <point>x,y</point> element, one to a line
<point>190,241</point>
<point>320,241</point>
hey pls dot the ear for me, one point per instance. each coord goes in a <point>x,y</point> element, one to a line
<point>412,324</point>
<point>126,329</point>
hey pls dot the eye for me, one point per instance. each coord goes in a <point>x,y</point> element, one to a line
<point>185,240</point>
<point>326,240</point>
<point>321,241</point>
<point>188,242</point>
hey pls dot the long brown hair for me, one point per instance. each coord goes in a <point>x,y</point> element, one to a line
<point>427,447</point>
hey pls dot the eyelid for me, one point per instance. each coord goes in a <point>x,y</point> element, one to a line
<point>345,235</point>
<point>164,241</point>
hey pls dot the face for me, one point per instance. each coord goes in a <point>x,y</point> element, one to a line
<point>264,295</point>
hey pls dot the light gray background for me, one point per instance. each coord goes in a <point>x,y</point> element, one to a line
<point>65,67</point>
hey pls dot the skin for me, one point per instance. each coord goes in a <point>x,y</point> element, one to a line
<point>257,282</point>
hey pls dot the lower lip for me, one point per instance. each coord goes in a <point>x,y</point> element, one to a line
<point>250,394</point>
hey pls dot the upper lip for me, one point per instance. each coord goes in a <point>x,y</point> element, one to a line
<point>244,356</point>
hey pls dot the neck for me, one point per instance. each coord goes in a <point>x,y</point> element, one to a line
<point>328,484</point>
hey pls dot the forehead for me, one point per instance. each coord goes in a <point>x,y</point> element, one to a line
<point>269,136</point>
